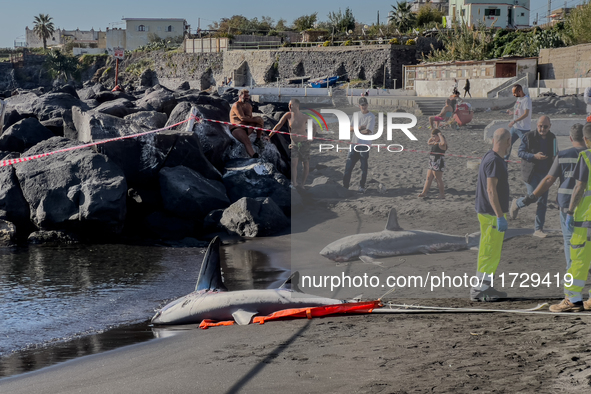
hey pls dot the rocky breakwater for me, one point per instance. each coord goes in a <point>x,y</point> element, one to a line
<point>170,186</point>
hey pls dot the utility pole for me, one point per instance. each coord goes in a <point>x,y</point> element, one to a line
<point>378,17</point>
<point>549,12</point>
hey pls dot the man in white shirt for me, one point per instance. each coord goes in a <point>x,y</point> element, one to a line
<point>367,121</point>
<point>587,99</point>
<point>521,123</point>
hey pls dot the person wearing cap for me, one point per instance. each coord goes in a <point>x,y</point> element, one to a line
<point>367,121</point>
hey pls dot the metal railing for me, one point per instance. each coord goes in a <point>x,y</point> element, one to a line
<point>276,44</point>
<point>526,78</point>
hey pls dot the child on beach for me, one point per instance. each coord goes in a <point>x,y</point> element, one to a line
<point>436,163</point>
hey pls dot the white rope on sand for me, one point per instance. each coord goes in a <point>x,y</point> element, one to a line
<point>537,310</point>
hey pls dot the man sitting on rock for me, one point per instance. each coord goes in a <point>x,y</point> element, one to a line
<point>241,113</point>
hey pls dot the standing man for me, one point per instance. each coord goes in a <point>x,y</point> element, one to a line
<point>537,151</point>
<point>241,113</point>
<point>367,121</point>
<point>492,202</point>
<point>563,168</point>
<point>300,145</point>
<point>521,122</point>
<point>579,220</point>
<point>587,99</point>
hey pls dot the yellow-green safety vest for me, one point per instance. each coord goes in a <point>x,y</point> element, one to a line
<point>582,214</point>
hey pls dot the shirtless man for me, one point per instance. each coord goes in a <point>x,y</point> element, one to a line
<point>241,113</point>
<point>300,145</point>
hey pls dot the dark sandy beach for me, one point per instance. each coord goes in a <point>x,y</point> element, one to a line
<point>378,353</point>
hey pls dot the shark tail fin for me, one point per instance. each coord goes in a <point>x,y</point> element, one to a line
<point>392,224</point>
<point>292,282</point>
<point>210,275</point>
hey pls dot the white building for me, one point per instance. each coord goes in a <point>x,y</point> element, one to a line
<point>61,37</point>
<point>492,13</point>
<point>138,31</point>
<point>441,5</point>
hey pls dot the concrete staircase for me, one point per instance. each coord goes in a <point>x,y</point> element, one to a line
<point>432,106</point>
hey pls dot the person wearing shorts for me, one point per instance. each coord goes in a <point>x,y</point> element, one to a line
<point>300,145</point>
<point>436,163</point>
<point>445,114</point>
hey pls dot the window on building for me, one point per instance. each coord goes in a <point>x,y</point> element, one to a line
<point>492,12</point>
<point>141,28</point>
<point>462,12</point>
<point>169,28</point>
<point>523,14</point>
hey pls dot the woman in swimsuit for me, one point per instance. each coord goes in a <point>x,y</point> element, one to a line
<point>445,114</point>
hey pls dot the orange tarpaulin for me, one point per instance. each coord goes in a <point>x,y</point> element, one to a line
<point>357,307</point>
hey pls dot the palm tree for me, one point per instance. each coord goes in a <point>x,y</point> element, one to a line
<point>402,17</point>
<point>43,28</point>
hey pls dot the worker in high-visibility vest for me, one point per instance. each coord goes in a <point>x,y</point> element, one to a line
<point>579,218</point>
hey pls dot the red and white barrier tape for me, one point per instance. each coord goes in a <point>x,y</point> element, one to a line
<point>10,162</point>
<point>343,141</point>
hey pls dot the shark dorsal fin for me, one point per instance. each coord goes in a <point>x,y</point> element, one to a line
<point>292,282</point>
<point>210,275</point>
<point>392,224</point>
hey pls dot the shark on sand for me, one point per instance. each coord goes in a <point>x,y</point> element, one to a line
<point>394,241</point>
<point>212,300</point>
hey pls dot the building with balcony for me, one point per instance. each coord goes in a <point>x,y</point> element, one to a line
<point>512,14</point>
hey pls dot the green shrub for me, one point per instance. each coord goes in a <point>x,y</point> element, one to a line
<point>410,41</point>
<point>139,67</point>
<point>394,41</point>
<point>348,43</point>
<point>88,60</point>
<point>326,44</point>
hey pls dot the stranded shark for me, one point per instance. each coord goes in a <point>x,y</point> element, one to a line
<point>394,241</point>
<point>212,300</point>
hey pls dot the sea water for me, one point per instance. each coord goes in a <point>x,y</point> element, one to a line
<point>62,302</point>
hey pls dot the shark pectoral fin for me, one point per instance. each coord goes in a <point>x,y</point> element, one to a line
<point>424,250</point>
<point>243,317</point>
<point>367,259</point>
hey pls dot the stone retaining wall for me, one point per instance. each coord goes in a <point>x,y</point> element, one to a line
<point>569,62</point>
<point>249,67</point>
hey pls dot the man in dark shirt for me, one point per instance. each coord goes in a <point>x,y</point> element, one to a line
<point>492,202</point>
<point>537,151</point>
